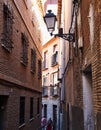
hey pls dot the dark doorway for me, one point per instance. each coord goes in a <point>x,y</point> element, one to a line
<point>54,117</point>
<point>3,102</point>
<point>45,110</point>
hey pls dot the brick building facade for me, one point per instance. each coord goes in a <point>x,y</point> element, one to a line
<point>20,66</point>
<point>88,52</point>
<point>82,90</point>
<point>91,65</point>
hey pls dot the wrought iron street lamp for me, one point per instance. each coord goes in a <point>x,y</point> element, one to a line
<point>50,20</point>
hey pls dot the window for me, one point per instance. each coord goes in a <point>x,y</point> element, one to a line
<point>45,62</point>
<point>31,107</point>
<point>39,69</point>
<point>54,117</point>
<point>7,27</point>
<point>54,78</point>
<point>51,90</point>
<point>24,54</point>
<point>33,60</point>
<point>45,80</point>
<point>45,110</point>
<point>44,91</point>
<point>38,105</point>
<point>22,111</point>
<point>54,60</point>
<point>56,91</point>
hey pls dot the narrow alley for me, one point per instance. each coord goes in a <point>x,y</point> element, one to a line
<point>50,64</point>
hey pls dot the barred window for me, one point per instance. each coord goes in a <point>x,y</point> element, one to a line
<point>22,111</point>
<point>24,54</point>
<point>7,27</point>
<point>39,69</point>
<point>45,110</point>
<point>33,60</point>
<point>31,107</point>
<point>38,105</point>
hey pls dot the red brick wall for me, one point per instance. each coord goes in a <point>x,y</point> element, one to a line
<point>93,56</point>
<point>12,108</point>
<point>17,79</point>
<point>10,64</point>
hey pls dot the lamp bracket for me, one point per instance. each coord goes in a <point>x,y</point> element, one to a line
<point>69,36</point>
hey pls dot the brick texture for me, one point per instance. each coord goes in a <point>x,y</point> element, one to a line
<point>15,79</point>
<point>92,53</point>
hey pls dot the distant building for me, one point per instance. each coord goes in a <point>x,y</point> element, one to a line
<point>20,65</point>
<point>50,83</point>
<point>51,86</point>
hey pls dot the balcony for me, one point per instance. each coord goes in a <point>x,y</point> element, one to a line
<point>45,64</point>
<point>45,91</point>
<point>54,91</point>
<point>54,60</point>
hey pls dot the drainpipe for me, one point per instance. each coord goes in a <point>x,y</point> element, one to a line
<point>62,44</point>
<point>65,69</point>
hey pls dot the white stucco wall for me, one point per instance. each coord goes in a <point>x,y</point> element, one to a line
<point>88,103</point>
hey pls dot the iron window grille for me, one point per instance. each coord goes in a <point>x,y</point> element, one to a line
<point>45,64</point>
<point>45,110</point>
<point>24,54</point>
<point>7,41</point>
<point>51,90</point>
<point>54,60</point>
<point>39,69</point>
<point>33,60</point>
<point>22,111</point>
<point>31,108</point>
<point>45,91</point>
<point>56,91</point>
<point>38,105</point>
<point>45,80</point>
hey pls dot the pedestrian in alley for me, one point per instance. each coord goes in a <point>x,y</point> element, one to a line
<point>43,123</point>
<point>49,124</point>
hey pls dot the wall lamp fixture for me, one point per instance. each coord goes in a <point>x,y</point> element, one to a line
<point>50,20</point>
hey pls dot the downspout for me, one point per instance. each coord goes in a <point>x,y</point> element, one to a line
<point>63,67</point>
<point>71,30</point>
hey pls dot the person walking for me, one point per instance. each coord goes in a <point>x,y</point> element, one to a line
<point>43,123</point>
<point>49,124</point>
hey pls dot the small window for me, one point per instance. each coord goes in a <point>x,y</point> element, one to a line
<point>7,41</point>
<point>38,105</point>
<point>45,110</point>
<point>31,107</point>
<point>39,69</point>
<point>22,111</point>
<point>45,80</point>
<point>33,60</point>
<point>54,78</point>
<point>24,53</point>
<point>45,60</point>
